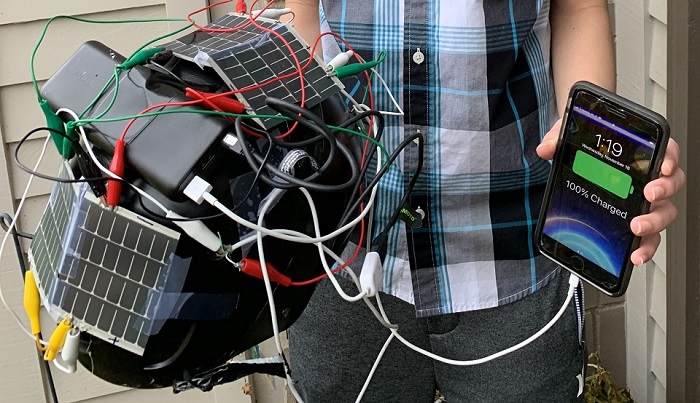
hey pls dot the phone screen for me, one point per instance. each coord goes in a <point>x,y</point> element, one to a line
<point>605,161</point>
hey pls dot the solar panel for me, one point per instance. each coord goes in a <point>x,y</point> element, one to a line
<point>249,56</point>
<point>106,269</point>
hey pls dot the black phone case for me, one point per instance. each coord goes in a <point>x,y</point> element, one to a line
<point>654,171</point>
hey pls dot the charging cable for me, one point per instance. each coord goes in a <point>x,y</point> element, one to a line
<point>573,284</point>
<point>10,227</point>
<point>196,229</point>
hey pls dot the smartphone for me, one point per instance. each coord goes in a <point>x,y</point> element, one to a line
<point>609,148</point>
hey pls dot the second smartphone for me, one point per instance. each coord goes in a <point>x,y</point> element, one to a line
<point>608,150</point>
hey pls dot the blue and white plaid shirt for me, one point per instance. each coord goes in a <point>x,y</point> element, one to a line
<point>482,97</point>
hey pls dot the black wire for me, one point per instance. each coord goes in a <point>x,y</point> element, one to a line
<point>380,241</point>
<point>409,189</point>
<point>257,175</point>
<point>63,180</point>
<point>405,143</point>
<point>293,111</point>
<point>6,220</point>
<point>39,174</point>
<point>311,122</point>
<point>371,151</point>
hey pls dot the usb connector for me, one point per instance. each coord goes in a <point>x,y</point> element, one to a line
<point>196,189</point>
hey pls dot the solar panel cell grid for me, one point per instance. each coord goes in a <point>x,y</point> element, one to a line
<point>249,56</point>
<point>103,268</point>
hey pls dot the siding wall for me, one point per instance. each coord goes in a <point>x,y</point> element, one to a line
<point>641,56</point>
<point>20,26</point>
<point>637,361</point>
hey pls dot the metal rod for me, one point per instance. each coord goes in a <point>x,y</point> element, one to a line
<point>44,368</point>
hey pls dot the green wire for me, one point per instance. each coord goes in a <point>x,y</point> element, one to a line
<point>83,122</point>
<point>70,17</point>
<point>380,58</point>
<point>115,76</point>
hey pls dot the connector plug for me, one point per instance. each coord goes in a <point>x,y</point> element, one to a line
<point>116,166</point>
<point>231,143</point>
<point>340,60</point>
<point>32,301</point>
<point>69,354</point>
<point>198,231</point>
<point>253,268</point>
<point>196,189</point>
<point>57,340</point>
<point>573,280</point>
<point>371,273</point>
<point>272,13</point>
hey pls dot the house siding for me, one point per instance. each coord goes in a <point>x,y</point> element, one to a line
<point>20,28</point>
<point>642,77</point>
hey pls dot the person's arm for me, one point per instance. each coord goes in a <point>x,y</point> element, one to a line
<point>582,49</point>
<point>582,46</point>
<point>306,19</point>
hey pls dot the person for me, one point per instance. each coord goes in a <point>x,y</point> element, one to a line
<point>484,82</point>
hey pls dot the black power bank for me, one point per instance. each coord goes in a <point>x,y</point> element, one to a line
<point>166,150</point>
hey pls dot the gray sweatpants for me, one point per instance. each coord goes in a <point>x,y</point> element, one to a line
<point>334,344</point>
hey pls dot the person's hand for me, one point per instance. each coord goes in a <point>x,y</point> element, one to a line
<point>662,211</point>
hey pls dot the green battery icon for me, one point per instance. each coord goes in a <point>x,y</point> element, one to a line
<point>598,172</point>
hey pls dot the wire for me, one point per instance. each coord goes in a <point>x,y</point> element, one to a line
<point>374,367</point>
<point>106,171</point>
<point>70,17</point>
<point>9,230</point>
<point>573,283</point>
<point>34,172</point>
<point>255,179</point>
<point>405,143</point>
<point>254,159</point>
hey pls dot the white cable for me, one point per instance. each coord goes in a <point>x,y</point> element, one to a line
<point>333,256</point>
<point>374,367</point>
<point>389,93</point>
<point>102,168</point>
<point>196,229</point>
<point>391,96</point>
<point>209,198</point>
<point>314,217</point>
<point>12,226</point>
<point>573,282</point>
<point>270,297</point>
<point>268,287</point>
<point>255,227</point>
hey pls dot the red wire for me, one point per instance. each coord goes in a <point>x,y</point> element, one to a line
<point>221,30</point>
<point>241,7</point>
<point>340,267</point>
<point>299,71</point>
<point>364,153</point>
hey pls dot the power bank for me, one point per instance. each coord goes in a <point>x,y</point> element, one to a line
<point>166,150</point>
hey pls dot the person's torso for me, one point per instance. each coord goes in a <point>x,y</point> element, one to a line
<point>473,77</point>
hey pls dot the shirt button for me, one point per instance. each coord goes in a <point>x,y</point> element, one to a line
<point>418,56</point>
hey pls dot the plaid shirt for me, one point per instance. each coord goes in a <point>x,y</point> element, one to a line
<point>482,97</point>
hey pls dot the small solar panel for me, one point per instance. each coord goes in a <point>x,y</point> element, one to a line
<point>106,269</point>
<point>250,56</point>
